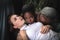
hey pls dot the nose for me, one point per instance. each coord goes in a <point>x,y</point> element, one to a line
<point>30,20</point>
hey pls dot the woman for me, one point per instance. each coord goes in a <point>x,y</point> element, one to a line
<point>30,16</point>
<point>32,31</point>
<point>14,21</point>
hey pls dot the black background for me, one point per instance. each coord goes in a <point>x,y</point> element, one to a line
<point>11,6</point>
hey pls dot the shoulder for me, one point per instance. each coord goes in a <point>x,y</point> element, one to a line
<point>39,23</point>
<point>36,25</point>
<point>23,27</point>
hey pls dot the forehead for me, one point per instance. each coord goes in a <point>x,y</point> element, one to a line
<point>13,16</point>
<point>28,14</point>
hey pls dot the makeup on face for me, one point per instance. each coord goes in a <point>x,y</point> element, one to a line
<point>29,17</point>
<point>17,21</point>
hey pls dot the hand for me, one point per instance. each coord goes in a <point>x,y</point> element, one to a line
<point>45,29</point>
<point>23,35</point>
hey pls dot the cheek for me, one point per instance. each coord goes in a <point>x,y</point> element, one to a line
<point>42,19</point>
<point>14,23</point>
<point>20,22</point>
<point>15,27</point>
<point>32,19</point>
<point>38,18</point>
<point>27,20</point>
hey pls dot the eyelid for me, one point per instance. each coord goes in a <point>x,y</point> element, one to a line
<point>15,19</point>
<point>31,17</point>
<point>20,17</point>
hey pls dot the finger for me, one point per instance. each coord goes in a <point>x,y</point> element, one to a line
<point>47,30</point>
<point>43,31</point>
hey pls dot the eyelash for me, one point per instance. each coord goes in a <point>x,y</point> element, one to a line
<point>15,19</point>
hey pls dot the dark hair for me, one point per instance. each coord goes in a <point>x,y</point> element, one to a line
<point>29,8</point>
<point>12,32</point>
<point>10,25</point>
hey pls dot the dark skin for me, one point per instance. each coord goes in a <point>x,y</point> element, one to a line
<point>30,19</point>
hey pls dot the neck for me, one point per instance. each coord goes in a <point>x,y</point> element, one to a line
<point>20,26</point>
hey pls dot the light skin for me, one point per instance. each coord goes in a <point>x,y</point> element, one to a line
<point>18,22</point>
<point>44,20</point>
<point>45,29</point>
<point>22,35</point>
<point>29,18</point>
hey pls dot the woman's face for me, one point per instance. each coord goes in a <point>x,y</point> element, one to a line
<point>17,21</point>
<point>44,19</point>
<point>29,17</point>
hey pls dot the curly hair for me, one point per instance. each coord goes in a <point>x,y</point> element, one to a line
<point>29,8</point>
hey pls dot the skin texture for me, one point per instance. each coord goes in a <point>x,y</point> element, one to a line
<point>29,17</point>
<point>45,20</point>
<point>18,22</point>
<point>22,35</point>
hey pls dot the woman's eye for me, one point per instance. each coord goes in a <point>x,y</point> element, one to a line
<point>31,17</point>
<point>15,19</point>
<point>21,18</point>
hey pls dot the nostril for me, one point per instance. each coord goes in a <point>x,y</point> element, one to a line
<point>21,19</point>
